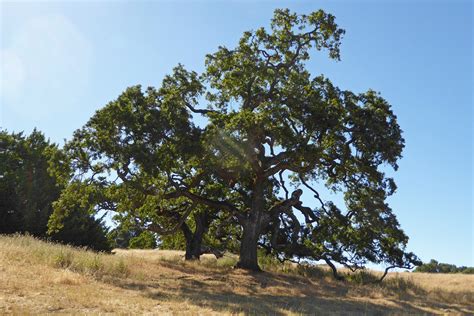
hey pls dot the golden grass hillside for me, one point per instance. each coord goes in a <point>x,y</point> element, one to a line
<point>39,277</point>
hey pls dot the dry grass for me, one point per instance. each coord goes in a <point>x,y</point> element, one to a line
<point>38,277</point>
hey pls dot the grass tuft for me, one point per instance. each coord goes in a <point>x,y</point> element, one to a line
<point>62,259</point>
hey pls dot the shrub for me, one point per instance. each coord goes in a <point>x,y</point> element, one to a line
<point>146,240</point>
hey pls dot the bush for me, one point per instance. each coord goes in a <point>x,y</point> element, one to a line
<point>29,186</point>
<point>27,189</point>
<point>146,240</point>
<point>83,230</point>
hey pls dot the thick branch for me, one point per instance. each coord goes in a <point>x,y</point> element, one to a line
<point>308,213</point>
<point>392,267</point>
<point>281,206</point>
<point>334,270</point>
<point>282,183</point>
<point>277,158</point>
<point>200,111</point>
<point>316,194</point>
<point>160,230</point>
<point>223,205</point>
<point>385,273</point>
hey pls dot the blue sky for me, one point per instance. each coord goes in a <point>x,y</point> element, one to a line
<point>61,61</point>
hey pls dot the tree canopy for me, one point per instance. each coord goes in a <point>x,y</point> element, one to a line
<point>28,190</point>
<point>270,129</point>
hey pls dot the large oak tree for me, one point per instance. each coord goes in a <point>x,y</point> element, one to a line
<point>270,128</point>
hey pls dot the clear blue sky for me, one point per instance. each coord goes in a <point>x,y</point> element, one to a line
<point>61,61</point>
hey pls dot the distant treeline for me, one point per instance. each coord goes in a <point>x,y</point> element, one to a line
<point>436,267</point>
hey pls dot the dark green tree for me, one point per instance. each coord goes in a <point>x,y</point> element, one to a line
<point>28,190</point>
<point>271,128</point>
<point>83,230</point>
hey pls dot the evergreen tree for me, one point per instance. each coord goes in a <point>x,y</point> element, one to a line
<point>28,190</point>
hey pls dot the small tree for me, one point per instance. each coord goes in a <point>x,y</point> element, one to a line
<point>271,128</point>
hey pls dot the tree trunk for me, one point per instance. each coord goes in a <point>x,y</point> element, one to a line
<point>193,249</point>
<point>194,240</point>
<point>248,248</point>
<point>251,230</point>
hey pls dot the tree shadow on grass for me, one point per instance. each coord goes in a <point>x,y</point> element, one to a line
<point>237,291</point>
<point>279,304</point>
<point>259,303</point>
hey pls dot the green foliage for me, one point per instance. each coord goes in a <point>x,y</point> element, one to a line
<point>146,240</point>
<point>173,242</point>
<point>120,236</point>
<point>29,187</point>
<point>271,127</point>
<point>83,230</point>
<point>126,230</point>
<point>26,188</point>
<point>436,267</point>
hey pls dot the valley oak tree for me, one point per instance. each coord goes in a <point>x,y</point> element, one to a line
<point>268,128</point>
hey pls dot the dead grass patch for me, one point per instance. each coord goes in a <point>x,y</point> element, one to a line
<point>40,277</point>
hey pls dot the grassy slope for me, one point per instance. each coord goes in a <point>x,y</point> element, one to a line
<point>38,277</point>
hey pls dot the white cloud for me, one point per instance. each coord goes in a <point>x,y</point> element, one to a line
<point>49,57</point>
